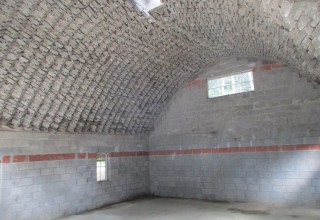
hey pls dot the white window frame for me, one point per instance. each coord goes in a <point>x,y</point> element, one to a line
<point>99,168</point>
<point>251,81</point>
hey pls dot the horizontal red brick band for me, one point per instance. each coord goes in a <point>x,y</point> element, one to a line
<point>45,157</point>
<point>42,157</point>
<point>92,155</point>
<point>6,159</point>
<point>81,155</point>
<point>274,148</point>
<point>196,82</point>
<point>128,154</point>
<point>268,67</point>
<point>250,149</point>
<point>66,156</point>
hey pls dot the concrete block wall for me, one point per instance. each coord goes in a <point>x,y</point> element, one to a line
<point>258,146</point>
<point>46,176</point>
<point>290,178</point>
<point>261,146</point>
<point>283,109</point>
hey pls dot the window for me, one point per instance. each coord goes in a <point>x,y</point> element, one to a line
<point>102,164</point>
<point>148,4</point>
<point>232,84</point>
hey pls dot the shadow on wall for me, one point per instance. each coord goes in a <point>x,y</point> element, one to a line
<point>291,178</point>
<point>303,179</point>
<point>0,183</point>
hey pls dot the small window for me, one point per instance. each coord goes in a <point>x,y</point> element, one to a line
<point>148,4</point>
<point>102,164</point>
<point>232,84</point>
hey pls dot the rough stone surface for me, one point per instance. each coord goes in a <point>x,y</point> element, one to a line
<point>101,66</point>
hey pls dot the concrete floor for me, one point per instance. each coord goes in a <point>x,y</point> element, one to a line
<point>186,209</point>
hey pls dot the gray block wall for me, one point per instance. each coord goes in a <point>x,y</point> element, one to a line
<point>51,189</point>
<point>281,178</point>
<point>283,110</point>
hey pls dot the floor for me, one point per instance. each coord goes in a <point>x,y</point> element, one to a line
<point>187,209</point>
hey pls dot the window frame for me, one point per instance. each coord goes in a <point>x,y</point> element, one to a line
<point>149,6</point>
<point>106,166</point>
<point>228,75</point>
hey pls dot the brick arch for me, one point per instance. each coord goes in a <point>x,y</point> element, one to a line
<point>97,66</point>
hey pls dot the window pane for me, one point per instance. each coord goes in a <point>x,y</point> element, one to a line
<point>215,93</point>
<point>101,167</point>
<point>214,83</point>
<point>227,90</point>
<point>240,78</point>
<point>149,4</point>
<point>228,85</point>
<point>228,80</point>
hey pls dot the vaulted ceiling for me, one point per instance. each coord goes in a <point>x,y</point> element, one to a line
<point>102,66</point>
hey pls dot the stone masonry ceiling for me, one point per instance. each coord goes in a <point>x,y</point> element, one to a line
<point>102,66</point>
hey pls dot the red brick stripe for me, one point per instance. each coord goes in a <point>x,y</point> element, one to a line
<point>92,155</point>
<point>37,157</point>
<point>197,82</point>
<point>6,159</point>
<point>20,158</point>
<point>47,157</point>
<point>81,155</point>
<point>128,154</point>
<point>273,148</point>
<point>268,67</point>
<point>249,149</point>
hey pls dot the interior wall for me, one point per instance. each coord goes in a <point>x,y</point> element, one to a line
<point>46,176</point>
<point>260,146</point>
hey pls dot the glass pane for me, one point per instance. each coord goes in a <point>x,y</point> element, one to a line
<point>101,163</point>
<point>215,92</point>
<point>244,87</point>
<point>101,167</point>
<point>243,77</point>
<point>227,90</point>
<point>228,80</point>
<point>101,173</point>
<point>239,83</point>
<point>214,83</point>
<point>149,4</point>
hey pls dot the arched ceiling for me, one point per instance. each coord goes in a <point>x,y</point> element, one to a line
<point>101,66</point>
